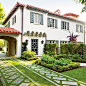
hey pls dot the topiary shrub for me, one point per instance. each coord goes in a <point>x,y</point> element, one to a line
<point>81,49</point>
<point>24,46</point>
<point>69,48</point>
<point>50,49</point>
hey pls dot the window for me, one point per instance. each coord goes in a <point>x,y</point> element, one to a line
<point>14,20</point>
<point>64,25</point>
<point>36,18</point>
<point>52,22</point>
<point>8,25</point>
<point>79,28</point>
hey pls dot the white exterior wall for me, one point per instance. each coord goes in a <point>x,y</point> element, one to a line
<point>18,44</point>
<point>31,26</point>
<point>52,33</point>
<point>16,25</point>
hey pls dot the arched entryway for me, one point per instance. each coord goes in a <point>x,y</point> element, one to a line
<point>10,46</point>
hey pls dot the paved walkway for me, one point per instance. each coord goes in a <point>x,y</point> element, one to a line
<point>3,55</point>
<point>15,77</point>
<point>83,64</point>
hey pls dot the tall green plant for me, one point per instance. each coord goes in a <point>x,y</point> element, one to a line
<point>24,46</point>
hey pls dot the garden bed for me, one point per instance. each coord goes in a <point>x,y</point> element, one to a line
<point>57,65</point>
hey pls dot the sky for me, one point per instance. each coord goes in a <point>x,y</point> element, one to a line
<point>65,6</point>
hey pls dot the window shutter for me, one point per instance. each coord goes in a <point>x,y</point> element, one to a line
<point>15,18</point>
<point>31,17</point>
<point>48,22</point>
<point>12,21</point>
<point>67,25</point>
<point>55,23</point>
<point>76,27</point>
<point>61,24</point>
<point>41,19</point>
<point>81,28</point>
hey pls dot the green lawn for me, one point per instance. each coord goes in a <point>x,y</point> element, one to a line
<point>79,74</point>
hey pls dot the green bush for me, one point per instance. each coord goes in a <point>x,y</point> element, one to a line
<point>44,58</point>
<point>33,58</point>
<point>68,48</point>
<point>28,54</point>
<point>73,48</point>
<point>50,49</point>
<point>76,56</point>
<point>60,56</point>
<point>58,68</point>
<point>51,60</point>
<point>62,62</point>
<point>24,46</point>
<point>47,59</point>
<point>81,49</point>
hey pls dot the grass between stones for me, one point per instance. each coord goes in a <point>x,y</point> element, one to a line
<point>79,74</point>
<point>1,83</point>
<point>41,81</point>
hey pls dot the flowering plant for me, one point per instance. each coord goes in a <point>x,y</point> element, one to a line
<point>73,38</point>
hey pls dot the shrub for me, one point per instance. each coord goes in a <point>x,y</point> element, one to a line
<point>47,59</point>
<point>50,49</point>
<point>44,58</point>
<point>69,48</point>
<point>24,46</point>
<point>60,56</point>
<point>81,49</point>
<point>49,66</point>
<point>62,62</point>
<point>76,56</point>
<point>28,54</point>
<point>33,58</point>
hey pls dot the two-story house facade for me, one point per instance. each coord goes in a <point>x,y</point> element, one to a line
<point>39,26</point>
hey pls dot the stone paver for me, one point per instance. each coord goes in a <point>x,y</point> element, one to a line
<point>83,64</point>
<point>54,76</point>
<point>12,75</point>
<point>14,78</point>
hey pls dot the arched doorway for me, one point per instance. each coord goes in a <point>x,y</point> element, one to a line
<point>10,46</point>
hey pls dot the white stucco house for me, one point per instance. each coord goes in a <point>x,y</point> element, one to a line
<point>38,26</point>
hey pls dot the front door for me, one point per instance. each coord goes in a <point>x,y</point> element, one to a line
<point>34,45</point>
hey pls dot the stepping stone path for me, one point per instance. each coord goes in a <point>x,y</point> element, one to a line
<point>12,76</point>
<point>56,77</point>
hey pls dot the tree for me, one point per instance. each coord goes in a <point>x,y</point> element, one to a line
<point>82,2</point>
<point>2,14</point>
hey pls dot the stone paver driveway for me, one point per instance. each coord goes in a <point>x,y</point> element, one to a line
<point>14,77</point>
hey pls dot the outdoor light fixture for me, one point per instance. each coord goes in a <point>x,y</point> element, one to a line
<point>42,42</point>
<point>26,40</point>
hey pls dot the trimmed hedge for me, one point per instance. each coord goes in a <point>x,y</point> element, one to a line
<point>50,49</point>
<point>73,48</point>
<point>69,48</point>
<point>58,68</point>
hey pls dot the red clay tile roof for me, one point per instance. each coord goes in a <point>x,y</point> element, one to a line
<point>9,30</point>
<point>71,14</point>
<point>52,13</point>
